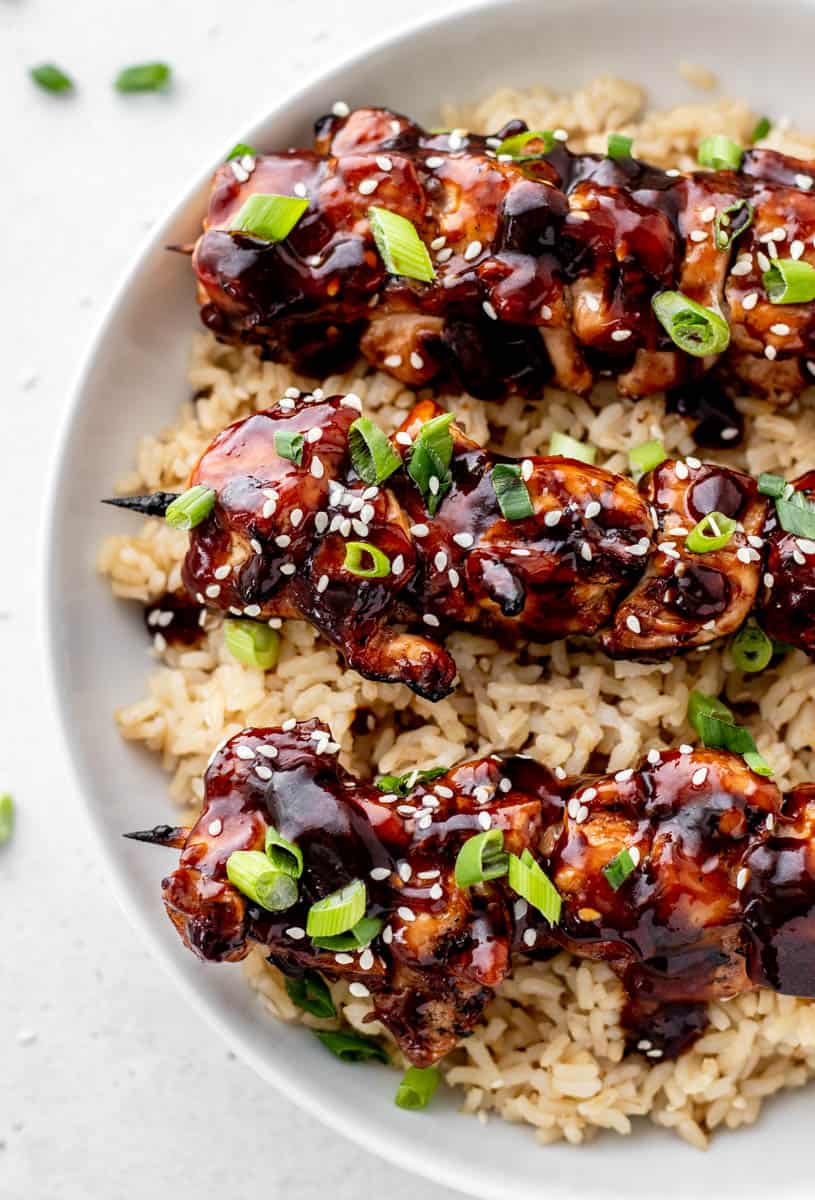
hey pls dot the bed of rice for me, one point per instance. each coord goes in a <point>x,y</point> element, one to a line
<point>550,1049</point>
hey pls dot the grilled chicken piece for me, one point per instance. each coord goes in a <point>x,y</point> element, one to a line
<point>596,556</point>
<point>545,266</point>
<point>788,601</point>
<point>719,895</point>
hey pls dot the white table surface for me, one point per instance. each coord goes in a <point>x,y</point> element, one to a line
<point>109,1088</point>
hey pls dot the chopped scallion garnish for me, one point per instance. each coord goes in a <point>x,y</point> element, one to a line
<point>690,326</point>
<point>482,857</point>
<point>397,240</point>
<point>429,462</point>
<point>311,993</point>
<point>353,1047</point>
<point>751,649</point>
<point>252,874</point>
<point>145,77</point>
<point>772,485</point>
<point>619,146</point>
<point>528,879</point>
<point>6,817</point>
<point>700,704</point>
<point>240,150</point>
<point>646,457</point>
<point>562,445</point>
<point>363,933</point>
<point>731,222</point>
<point>51,77</point>
<point>515,145</point>
<point>372,455</point>
<point>714,723</point>
<point>338,912</point>
<point>511,492</point>
<point>251,643</point>
<point>621,866</point>
<point>790,281</point>
<point>796,515</point>
<point>355,554</point>
<point>416,1087</point>
<point>713,532</point>
<point>762,128</point>
<point>289,445</point>
<point>285,856</point>
<point>269,218</point>
<point>190,508</point>
<point>403,785</point>
<point>720,152</point>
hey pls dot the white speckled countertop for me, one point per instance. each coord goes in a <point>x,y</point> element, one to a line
<point>109,1089</point>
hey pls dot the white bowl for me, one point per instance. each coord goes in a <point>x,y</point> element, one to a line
<point>133,381</point>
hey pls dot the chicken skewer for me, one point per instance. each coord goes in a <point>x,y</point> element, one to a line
<point>534,264</point>
<point>691,875</point>
<point>542,548</point>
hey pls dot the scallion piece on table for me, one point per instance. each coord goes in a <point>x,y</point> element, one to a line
<point>51,78</point>
<point>402,785</point>
<point>646,457</point>
<point>402,250</point>
<point>362,934</point>
<point>372,456</point>
<point>143,77</point>
<point>517,144</point>
<point>620,867</point>
<point>253,875</point>
<point>355,553</point>
<point>482,857</point>
<point>240,150</point>
<point>268,217</point>
<point>252,644</point>
<point>797,516</point>
<point>289,445</point>
<point>690,326</point>
<point>190,508</point>
<point>761,129</point>
<point>429,462</point>
<point>310,992</point>
<point>353,1047</point>
<point>562,445</point>
<point>751,649</point>
<point>713,532</point>
<point>511,492</point>
<point>338,912</point>
<point>731,222</point>
<point>619,146</point>
<point>714,723</point>
<point>285,856</point>
<point>772,485</point>
<point>416,1087</point>
<point>719,152</point>
<point>6,817</point>
<point>528,879</point>
<point>790,281</point>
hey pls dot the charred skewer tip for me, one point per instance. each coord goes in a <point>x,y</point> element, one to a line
<point>173,836</point>
<point>155,504</point>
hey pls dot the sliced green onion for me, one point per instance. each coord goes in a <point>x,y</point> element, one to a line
<point>354,552</point>
<point>145,77</point>
<point>269,218</point>
<point>357,938</point>
<point>719,152</point>
<point>239,150</point>
<point>511,492</point>
<point>312,995</point>
<point>751,649</point>
<point>727,227</point>
<point>617,871</point>
<point>714,723</point>
<point>397,240</point>
<point>372,455</point>
<point>514,146</point>
<point>796,516</point>
<point>338,912</point>
<point>285,856</point>
<point>252,644</point>
<point>713,532</point>
<point>402,785</point>
<point>289,445</point>
<point>568,447</point>
<point>190,508</point>
<point>690,326</point>
<point>51,77</point>
<point>528,879</point>
<point>646,457</point>
<point>790,281</point>
<point>416,1087</point>
<point>252,874</point>
<point>619,146</point>
<point>771,485</point>
<point>481,858</point>
<point>758,763</point>
<point>353,1047</point>
<point>6,817</point>
<point>762,128</point>
<point>700,704</point>
<point>430,458</point>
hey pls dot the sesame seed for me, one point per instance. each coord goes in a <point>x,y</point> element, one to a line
<point>743,267</point>
<point>769,579</point>
<point>750,301</point>
<point>322,584</point>
<point>433,485</point>
<point>453,577</point>
<point>393,360</point>
<point>252,610</point>
<point>763,261</point>
<point>256,546</point>
<point>781,329</point>
<point>404,870</point>
<point>484,820</point>
<point>634,855</point>
<point>367,186</point>
<point>709,213</point>
<point>358,989</point>
<point>215,827</point>
<point>693,462</point>
<point>288,725</point>
<point>366,959</point>
<point>527,467</point>
<point>804,182</point>
<point>438,242</point>
<point>283,541</point>
<point>288,569</point>
<point>698,235</point>
<point>624,776</point>
<point>742,877</point>
<point>685,748</point>
<point>222,572</point>
<point>806,545</point>
<point>263,773</point>
<point>465,540</point>
<point>317,468</point>
<point>440,561</point>
<point>407,914</point>
<point>406,810</point>
<point>213,590</point>
<point>633,623</point>
<point>340,108</point>
<point>592,302</point>
<point>560,135</point>
<point>295,932</point>
<point>553,516</point>
<point>416,361</point>
<point>420,530</point>
<point>245,752</point>
<point>593,509</point>
<point>435,160</point>
<point>436,892</point>
<point>770,352</point>
<point>796,248</point>
<point>699,777</point>
<point>430,619</point>
<point>300,190</point>
<point>530,937</point>
<point>654,757</point>
<point>398,565</point>
<point>444,255</point>
<point>269,508</point>
<point>456,138</point>
<point>473,250</point>
<point>490,311</point>
<point>743,554</point>
<point>620,335</point>
<point>351,401</point>
<point>588,795</point>
<point>729,434</point>
<point>585,552</point>
<point>546,312</point>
